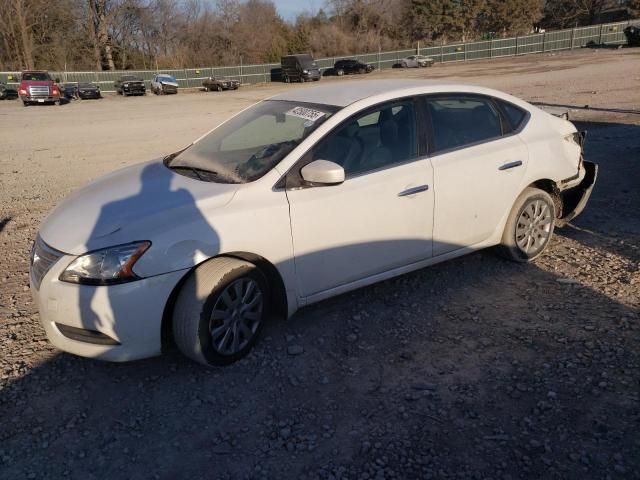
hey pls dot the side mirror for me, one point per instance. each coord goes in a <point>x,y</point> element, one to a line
<point>323,172</point>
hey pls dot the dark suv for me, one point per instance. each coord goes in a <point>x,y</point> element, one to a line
<point>347,66</point>
<point>299,68</point>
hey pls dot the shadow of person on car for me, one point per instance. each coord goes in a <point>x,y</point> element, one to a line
<point>121,311</point>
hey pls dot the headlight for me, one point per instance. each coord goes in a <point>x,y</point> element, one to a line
<point>126,85</point>
<point>106,266</point>
<point>305,71</point>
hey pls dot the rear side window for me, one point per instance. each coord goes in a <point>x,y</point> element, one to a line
<point>514,114</point>
<point>459,121</point>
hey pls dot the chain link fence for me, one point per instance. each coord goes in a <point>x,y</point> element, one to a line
<point>568,39</point>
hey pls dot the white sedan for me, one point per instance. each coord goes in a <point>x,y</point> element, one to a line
<point>296,199</point>
<point>416,61</point>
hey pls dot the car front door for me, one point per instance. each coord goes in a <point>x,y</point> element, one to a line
<point>380,218</point>
<point>479,165</point>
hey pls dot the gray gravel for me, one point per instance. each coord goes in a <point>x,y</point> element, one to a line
<point>475,368</point>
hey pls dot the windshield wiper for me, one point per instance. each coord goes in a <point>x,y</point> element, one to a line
<point>197,171</point>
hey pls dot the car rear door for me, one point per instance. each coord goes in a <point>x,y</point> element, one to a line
<point>380,218</point>
<point>479,165</point>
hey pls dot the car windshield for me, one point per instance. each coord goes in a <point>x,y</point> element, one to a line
<point>251,143</point>
<point>86,85</point>
<point>130,78</point>
<point>167,78</point>
<point>36,77</point>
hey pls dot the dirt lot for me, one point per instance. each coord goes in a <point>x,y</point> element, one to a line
<point>475,368</point>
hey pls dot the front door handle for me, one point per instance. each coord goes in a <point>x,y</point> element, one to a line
<point>413,190</point>
<point>509,165</point>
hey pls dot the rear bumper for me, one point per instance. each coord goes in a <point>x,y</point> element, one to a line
<point>574,200</point>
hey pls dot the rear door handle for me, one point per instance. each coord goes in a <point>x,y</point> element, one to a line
<point>509,165</point>
<point>412,190</point>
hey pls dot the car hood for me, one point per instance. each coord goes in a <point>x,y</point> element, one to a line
<point>36,83</point>
<point>135,203</point>
<point>169,82</point>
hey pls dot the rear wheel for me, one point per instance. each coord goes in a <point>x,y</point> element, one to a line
<point>340,72</point>
<point>529,227</point>
<point>220,311</point>
<point>219,88</point>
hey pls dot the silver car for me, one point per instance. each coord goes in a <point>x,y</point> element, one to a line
<point>416,61</point>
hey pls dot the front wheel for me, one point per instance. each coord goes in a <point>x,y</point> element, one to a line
<point>220,311</point>
<point>529,227</point>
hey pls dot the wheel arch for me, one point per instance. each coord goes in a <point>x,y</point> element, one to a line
<point>552,189</point>
<point>277,293</point>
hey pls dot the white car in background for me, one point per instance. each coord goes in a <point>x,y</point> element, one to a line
<point>298,198</point>
<point>416,61</point>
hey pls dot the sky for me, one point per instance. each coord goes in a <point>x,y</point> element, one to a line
<point>289,9</point>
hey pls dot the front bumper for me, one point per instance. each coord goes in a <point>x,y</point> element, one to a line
<point>89,94</point>
<point>169,88</point>
<point>30,99</point>
<point>575,199</point>
<point>129,314</point>
<point>135,90</point>
<point>313,75</point>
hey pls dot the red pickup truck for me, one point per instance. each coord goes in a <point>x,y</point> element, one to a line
<point>37,86</point>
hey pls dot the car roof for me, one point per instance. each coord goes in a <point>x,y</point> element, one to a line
<point>345,93</point>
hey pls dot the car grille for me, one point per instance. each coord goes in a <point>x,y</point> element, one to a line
<point>39,91</point>
<point>43,257</point>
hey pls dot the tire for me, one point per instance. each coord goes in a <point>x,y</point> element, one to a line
<point>25,103</point>
<point>301,79</point>
<point>219,88</point>
<point>362,71</point>
<point>404,65</point>
<point>286,79</point>
<point>340,72</point>
<point>535,206</point>
<point>211,287</point>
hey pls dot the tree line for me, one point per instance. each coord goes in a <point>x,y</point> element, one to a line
<point>165,34</point>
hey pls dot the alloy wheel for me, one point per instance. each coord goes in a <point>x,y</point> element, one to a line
<point>534,227</point>
<point>236,316</point>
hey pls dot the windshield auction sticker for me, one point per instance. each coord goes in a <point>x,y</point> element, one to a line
<point>306,113</point>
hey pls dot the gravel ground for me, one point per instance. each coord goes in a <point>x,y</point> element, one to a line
<point>475,368</point>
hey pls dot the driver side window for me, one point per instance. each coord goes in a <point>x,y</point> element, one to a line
<point>378,138</point>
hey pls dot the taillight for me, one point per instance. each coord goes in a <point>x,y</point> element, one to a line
<point>577,138</point>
